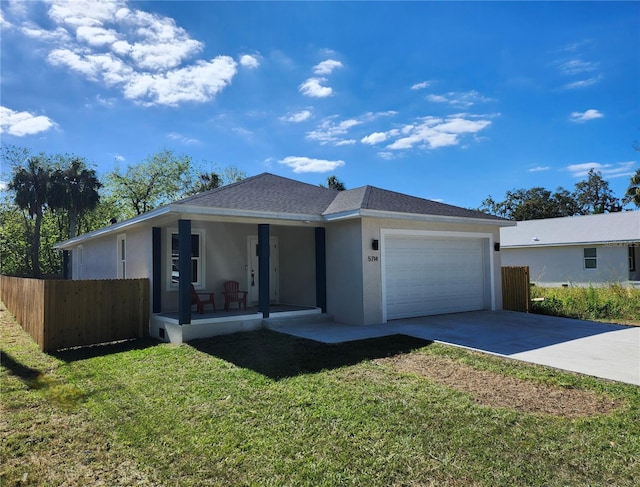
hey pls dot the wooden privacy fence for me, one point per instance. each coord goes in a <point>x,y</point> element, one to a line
<point>63,314</point>
<point>515,289</point>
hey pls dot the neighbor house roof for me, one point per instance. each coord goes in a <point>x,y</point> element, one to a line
<point>574,230</point>
<point>271,197</point>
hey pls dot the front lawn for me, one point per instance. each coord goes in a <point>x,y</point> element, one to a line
<point>263,408</point>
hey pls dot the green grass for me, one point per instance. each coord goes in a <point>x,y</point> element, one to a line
<point>611,303</point>
<point>263,408</point>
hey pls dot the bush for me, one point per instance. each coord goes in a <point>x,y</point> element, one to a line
<point>613,302</point>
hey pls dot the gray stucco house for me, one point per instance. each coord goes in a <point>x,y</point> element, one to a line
<point>577,250</point>
<point>365,255</point>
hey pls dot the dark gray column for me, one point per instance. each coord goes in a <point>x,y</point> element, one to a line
<point>184,268</point>
<point>321,270</point>
<point>263,269</point>
<point>66,264</point>
<point>156,269</point>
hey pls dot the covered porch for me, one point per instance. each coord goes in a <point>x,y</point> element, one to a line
<point>281,267</point>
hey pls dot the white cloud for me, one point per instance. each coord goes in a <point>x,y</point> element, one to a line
<point>20,124</point>
<point>420,86</point>
<point>297,117</point>
<point>330,132</point>
<point>182,139</point>
<point>434,132</point>
<point>577,66</point>
<point>119,157</point>
<point>374,138</point>
<point>464,99</point>
<point>608,171</point>
<point>590,114</point>
<point>539,169</point>
<point>583,83</point>
<point>326,67</point>
<point>313,88</point>
<point>3,185</point>
<point>198,82</point>
<point>249,61</point>
<point>306,164</point>
<point>145,55</point>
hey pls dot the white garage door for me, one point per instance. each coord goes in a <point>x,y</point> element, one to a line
<point>427,276</point>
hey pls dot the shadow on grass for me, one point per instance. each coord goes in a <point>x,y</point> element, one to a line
<point>26,374</point>
<point>92,351</point>
<point>278,356</point>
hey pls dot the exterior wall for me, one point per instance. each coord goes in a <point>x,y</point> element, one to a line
<point>344,271</point>
<point>372,267</point>
<point>99,259</point>
<point>297,265</point>
<point>555,266</point>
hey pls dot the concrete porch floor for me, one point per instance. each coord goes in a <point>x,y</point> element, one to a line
<point>599,349</point>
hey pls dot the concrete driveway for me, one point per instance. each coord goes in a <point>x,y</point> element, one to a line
<point>598,349</point>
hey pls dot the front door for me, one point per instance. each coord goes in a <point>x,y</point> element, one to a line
<point>253,270</point>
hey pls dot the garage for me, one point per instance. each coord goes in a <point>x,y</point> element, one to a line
<point>434,275</point>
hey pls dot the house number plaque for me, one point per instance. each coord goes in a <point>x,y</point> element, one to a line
<point>373,258</point>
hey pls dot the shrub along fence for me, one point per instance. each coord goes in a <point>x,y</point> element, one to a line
<point>62,314</point>
<point>515,289</point>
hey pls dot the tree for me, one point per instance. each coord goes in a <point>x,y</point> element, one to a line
<point>593,195</point>
<point>334,183</point>
<point>31,185</point>
<point>161,178</point>
<point>632,194</point>
<point>531,204</point>
<point>75,189</point>
<point>208,181</point>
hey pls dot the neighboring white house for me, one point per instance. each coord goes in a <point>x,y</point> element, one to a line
<point>576,251</point>
<point>364,255</point>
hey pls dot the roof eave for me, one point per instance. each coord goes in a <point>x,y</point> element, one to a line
<point>114,228</point>
<point>436,218</point>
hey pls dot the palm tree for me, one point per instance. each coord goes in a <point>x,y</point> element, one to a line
<point>633,192</point>
<point>31,187</point>
<point>74,189</point>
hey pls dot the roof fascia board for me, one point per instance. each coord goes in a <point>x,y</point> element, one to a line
<point>605,243</point>
<point>435,218</point>
<point>114,228</point>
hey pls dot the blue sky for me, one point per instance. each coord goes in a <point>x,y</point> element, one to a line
<point>448,101</point>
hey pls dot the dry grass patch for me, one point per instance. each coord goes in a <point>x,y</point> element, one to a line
<point>500,391</point>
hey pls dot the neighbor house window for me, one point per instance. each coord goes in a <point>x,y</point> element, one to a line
<point>122,256</point>
<point>197,259</point>
<point>590,258</point>
<point>632,258</point>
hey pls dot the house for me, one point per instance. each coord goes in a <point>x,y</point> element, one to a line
<point>365,255</point>
<point>577,250</point>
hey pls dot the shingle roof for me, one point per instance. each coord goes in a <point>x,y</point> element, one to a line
<point>266,192</point>
<point>574,230</point>
<point>270,193</point>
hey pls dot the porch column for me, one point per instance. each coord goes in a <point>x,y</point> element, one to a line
<point>263,269</point>
<point>321,270</point>
<point>66,264</point>
<point>184,269</point>
<point>156,268</point>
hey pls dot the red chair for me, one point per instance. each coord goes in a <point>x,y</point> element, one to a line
<point>233,295</point>
<point>197,300</point>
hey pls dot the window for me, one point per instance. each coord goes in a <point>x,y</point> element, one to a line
<point>632,258</point>
<point>197,259</point>
<point>590,258</point>
<point>122,256</point>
